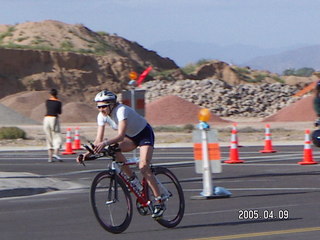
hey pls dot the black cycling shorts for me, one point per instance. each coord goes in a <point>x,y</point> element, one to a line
<point>145,137</point>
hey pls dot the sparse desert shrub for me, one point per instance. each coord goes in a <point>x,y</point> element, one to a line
<point>11,133</point>
<point>188,127</point>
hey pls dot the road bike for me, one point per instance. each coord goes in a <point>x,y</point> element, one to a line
<point>111,199</point>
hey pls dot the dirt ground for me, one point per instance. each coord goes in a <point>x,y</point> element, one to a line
<point>250,131</point>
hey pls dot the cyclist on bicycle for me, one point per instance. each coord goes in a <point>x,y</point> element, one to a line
<point>316,103</point>
<point>133,131</point>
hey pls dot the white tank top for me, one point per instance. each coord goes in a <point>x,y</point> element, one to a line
<point>135,122</point>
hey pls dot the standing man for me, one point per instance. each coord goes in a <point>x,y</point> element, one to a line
<point>51,125</point>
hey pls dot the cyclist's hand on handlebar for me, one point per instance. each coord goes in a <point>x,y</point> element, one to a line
<point>82,157</point>
<point>99,147</point>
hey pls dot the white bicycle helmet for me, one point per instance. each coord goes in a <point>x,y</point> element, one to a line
<point>105,96</point>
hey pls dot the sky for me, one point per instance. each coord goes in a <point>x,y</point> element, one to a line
<point>262,23</point>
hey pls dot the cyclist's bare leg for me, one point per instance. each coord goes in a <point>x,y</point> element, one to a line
<point>146,152</point>
<point>126,146</point>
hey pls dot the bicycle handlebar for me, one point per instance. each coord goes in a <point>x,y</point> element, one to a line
<point>108,151</point>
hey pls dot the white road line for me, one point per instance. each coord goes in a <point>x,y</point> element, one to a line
<point>259,189</point>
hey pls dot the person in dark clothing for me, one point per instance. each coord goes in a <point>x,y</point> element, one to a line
<point>51,125</point>
<point>316,103</point>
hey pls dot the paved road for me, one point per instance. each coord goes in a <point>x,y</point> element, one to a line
<point>284,194</point>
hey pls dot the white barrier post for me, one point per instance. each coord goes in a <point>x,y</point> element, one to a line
<point>209,155</point>
<point>207,177</point>
<point>133,83</point>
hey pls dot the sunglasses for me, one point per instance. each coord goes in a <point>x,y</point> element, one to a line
<point>103,106</point>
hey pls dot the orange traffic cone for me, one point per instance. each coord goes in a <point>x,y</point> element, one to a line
<point>68,145</point>
<point>307,154</point>
<point>267,142</point>
<point>234,154</point>
<point>77,141</point>
<point>234,127</point>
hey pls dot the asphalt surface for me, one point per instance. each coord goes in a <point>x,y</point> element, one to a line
<point>273,197</point>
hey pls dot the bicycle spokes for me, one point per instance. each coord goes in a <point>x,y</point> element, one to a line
<point>165,193</point>
<point>111,202</point>
<point>172,197</point>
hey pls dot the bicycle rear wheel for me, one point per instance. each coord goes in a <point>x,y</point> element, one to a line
<point>111,202</point>
<point>172,195</point>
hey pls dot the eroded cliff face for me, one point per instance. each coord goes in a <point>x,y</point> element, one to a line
<point>80,62</point>
<point>39,70</point>
<point>69,57</point>
<point>75,75</point>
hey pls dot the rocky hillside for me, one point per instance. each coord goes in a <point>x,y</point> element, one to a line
<point>58,36</point>
<point>79,62</point>
<point>72,58</point>
<point>225,100</point>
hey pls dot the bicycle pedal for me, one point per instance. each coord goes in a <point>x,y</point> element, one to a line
<point>157,218</point>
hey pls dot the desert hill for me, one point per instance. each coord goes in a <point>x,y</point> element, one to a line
<point>25,102</point>
<point>31,105</point>
<point>294,59</point>
<point>58,36</point>
<point>75,59</point>
<point>37,56</point>
<point>9,116</point>
<point>71,58</point>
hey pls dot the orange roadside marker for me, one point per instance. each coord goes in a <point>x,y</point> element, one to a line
<point>268,143</point>
<point>234,153</point>
<point>68,144</point>
<point>307,153</point>
<point>77,141</point>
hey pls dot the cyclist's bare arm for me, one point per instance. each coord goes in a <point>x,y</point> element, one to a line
<point>122,126</point>
<point>100,134</point>
<point>91,155</point>
<point>99,138</point>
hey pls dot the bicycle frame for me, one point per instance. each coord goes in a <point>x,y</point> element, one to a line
<point>118,199</point>
<point>143,196</point>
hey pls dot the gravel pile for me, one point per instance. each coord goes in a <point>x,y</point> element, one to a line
<point>10,117</point>
<point>177,103</point>
<point>244,100</point>
<point>31,105</point>
<point>174,110</point>
<point>300,111</point>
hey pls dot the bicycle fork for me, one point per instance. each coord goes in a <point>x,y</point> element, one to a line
<point>112,196</point>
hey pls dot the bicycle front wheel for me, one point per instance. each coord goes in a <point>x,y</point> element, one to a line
<point>172,194</point>
<point>111,202</point>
